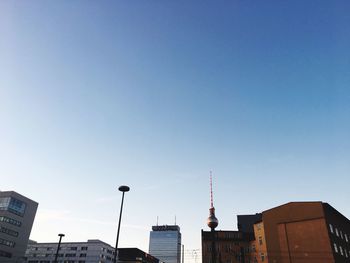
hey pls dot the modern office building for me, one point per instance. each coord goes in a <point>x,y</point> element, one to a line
<point>92,251</point>
<point>296,232</point>
<point>17,215</point>
<point>165,243</point>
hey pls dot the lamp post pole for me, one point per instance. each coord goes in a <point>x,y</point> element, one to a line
<point>58,247</point>
<point>122,189</point>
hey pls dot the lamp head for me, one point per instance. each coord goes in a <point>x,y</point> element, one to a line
<point>124,188</point>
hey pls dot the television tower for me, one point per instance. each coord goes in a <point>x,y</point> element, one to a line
<point>212,221</point>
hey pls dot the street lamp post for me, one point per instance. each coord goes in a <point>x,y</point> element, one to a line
<point>58,247</point>
<point>122,189</point>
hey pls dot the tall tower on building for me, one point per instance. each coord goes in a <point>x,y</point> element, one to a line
<point>165,243</point>
<point>212,221</point>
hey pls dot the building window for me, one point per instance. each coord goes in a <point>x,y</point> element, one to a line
<point>7,243</point>
<point>5,254</point>
<point>260,241</point>
<point>11,221</point>
<point>82,255</point>
<point>70,255</point>
<point>341,234</point>
<point>262,256</point>
<point>84,248</point>
<point>9,232</point>
<point>337,232</point>
<point>341,250</point>
<point>331,228</point>
<point>346,253</point>
<point>346,237</point>
<point>12,205</point>
<point>335,247</point>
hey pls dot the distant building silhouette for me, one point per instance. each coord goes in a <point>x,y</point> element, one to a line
<point>165,243</point>
<point>296,232</point>
<point>17,214</point>
<point>135,255</point>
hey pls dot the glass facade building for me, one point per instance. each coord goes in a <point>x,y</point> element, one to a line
<point>165,243</point>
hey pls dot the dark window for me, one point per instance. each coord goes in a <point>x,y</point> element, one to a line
<point>5,254</point>
<point>84,248</point>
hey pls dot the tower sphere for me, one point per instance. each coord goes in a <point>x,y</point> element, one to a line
<point>212,221</point>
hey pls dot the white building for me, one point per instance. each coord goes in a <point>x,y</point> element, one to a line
<point>165,243</point>
<point>17,214</point>
<point>92,251</point>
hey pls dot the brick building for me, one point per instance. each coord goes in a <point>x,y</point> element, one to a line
<point>296,232</point>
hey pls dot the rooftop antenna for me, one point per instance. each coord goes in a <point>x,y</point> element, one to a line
<point>211,190</point>
<point>157,220</point>
<point>175,220</point>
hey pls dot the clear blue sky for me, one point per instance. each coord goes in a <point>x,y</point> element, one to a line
<point>155,94</point>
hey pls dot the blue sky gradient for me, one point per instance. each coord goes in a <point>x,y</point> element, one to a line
<point>155,94</point>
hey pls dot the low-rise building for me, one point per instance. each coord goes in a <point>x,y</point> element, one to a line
<point>92,251</point>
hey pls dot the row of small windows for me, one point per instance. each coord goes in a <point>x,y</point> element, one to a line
<point>61,248</point>
<point>9,232</point>
<point>338,233</point>
<point>11,221</point>
<point>68,255</point>
<point>5,254</point>
<point>223,248</point>
<point>7,243</point>
<point>58,261</point>
<point>339,249</point>
<point>82,255</point>
<point>109,251</point>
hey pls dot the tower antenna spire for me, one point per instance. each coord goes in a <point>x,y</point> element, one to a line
<point>211,190</point>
